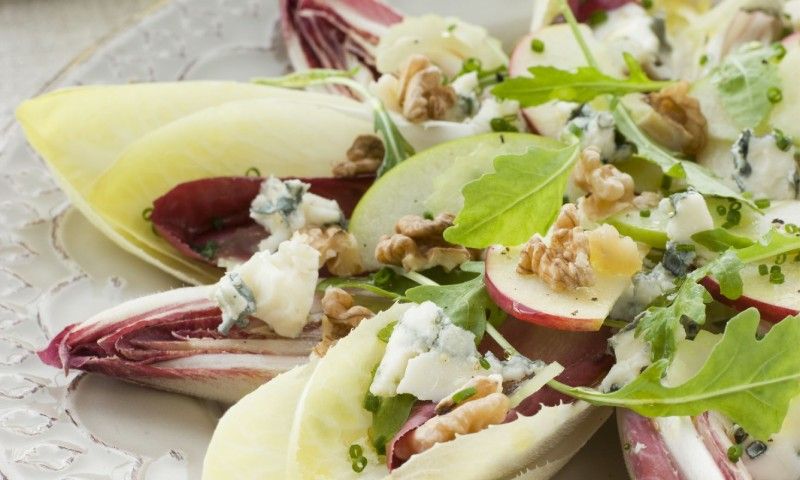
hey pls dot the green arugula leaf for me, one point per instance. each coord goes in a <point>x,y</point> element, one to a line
<point>388,416</point>
<point>467,304</point>
<point>749,380</point>
<point>773,244</point>
<point>720,239</point>
<point>385,283</point>
<point>498,206</point>
<point>743,80</point>
<point>396,146</point>
<point>582,85</point>
<point>659,324</point>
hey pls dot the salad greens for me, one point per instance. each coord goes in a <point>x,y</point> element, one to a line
<point>467,304</point>
<point>583,85</point>
<point>743,80</point>
<point>498,207</point>
<point>396,146</point>
<point>756,397</point>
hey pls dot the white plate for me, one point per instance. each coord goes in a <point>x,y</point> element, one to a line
<point>56,269</point>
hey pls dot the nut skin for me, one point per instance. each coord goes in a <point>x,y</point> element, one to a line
<point>340,317</point>
<point>363,157</point>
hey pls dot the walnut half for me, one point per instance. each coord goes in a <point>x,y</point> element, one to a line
<point>609,190</point>
<point>486,407</point>
<point>338,250</point>
<point>680,124</point>
<point>564,264</point>
<point>364,156</point>
<point>418,244</point>
<point>419,92</point>
<point>340,317</point>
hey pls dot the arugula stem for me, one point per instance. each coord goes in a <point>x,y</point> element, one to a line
<point>619,324</point>
<point>573,25</point>
<point>419,278</point>
<point>501,340</point>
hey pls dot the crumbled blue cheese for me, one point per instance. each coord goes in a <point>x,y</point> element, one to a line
<point>430,357</point>
<point>644,289</point>
<point>276,288</point>
<point>781,460</point>
<point>284,207</point>
<point>689,215</point>
<point>764,169</point>
<point>597,129</point>
<point>632,356</point>
<point>630,29</point>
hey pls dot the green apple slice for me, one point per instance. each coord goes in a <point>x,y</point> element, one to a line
<point>431,182</point>
<point>650,230</point>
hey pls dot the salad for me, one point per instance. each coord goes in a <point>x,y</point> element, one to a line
<point>420,256</point>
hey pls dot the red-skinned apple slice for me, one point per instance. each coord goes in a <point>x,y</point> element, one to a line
<point>528,298</point>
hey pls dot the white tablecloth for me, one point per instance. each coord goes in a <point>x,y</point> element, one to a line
<point>38,38</point>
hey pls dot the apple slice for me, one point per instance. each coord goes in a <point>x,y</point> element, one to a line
<point>562,51</point>
<point>774,301</point>
<point>528,298</point>
<point>651,230</point>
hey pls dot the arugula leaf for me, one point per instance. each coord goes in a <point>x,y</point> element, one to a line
<point>385,283</point>
<point>773,244</point>
<point>467,304</point>
<point>388,416</point>
<point>396,146</point>
<point>751,381</point>
<point>743,80</point>
<point>720,239</point>
<point>659,324</point>
<point>582,85</point>
<point>499,207</point>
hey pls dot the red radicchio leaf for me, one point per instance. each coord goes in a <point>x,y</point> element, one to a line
<point>337,34</point>
<point>209,219</point>
<point>170,341</point>
<point>646,455</point>
<point>583,9</point>
<point>583,355</point>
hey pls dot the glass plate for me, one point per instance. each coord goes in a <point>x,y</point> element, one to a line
<point>56,269</point>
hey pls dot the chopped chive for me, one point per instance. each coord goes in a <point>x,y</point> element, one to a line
<point>252,172</point>
<point>666,182</point>
<point>780,50</point>
<point>371,402</point>
<point>386,332</point>
<point>384,277</point>
<point>502,124</point>
<point>762,203</point>
<point>147,214</point>
<point>360,464</point>
<point>356,451</point>
<point>703,59</point>
<point>774,94</point>
<point>791,228</point>
<point>537,45</point>
<point>763,269</point>
<point>644,213</point>
<point>685,247</point>
<point>451,28</point>
<point>721,210</point>
<point>598,17</point>
<point>735,205</point>
<point>484,363</point>
<point>471,65</point>
<point>462,395</point>
<point>781,140</point>
<point>735,453</point>
<point>779,260</point>
<point>647,4</point>
<point>428,215</point>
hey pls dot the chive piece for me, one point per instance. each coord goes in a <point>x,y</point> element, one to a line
<point>776,275</point>
<point>386,332</point>
<point>762,203</point>
<point>780,260</point>
<point>685,247</point>
<point>471,65</point>
<point>371,402</point>
<point>451,28</point>
<point>252,172</point>
<point>647,4</point>
<point>537,45</point>
<point>502,124</point>
<point>735,453</point>
<point>147,214</point>
<point>781,140</point>
<point>780,50</point>
<point>360,464</point>
<point>791,228</point>
<point>463,395</point>
<point>721,210</point>
<point>384,278</point>
<point>484,363</point>
<point>735,205</point>
<point>644,213</point>
<point>774,94</point>
<point>763,269</point>
<point>598,17</point>
<point>703,59</point>
<point>356,451</point>
<point>428,215</point>
<point>666,182</point>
